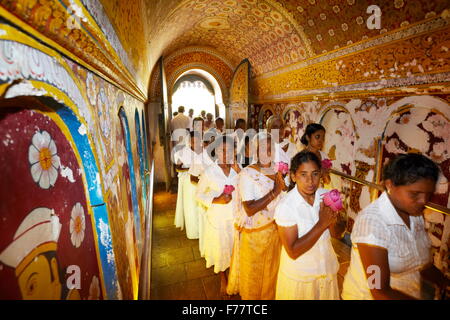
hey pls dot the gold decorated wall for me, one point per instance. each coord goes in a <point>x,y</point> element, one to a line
<point>239,92</point>
<point>422,59</point>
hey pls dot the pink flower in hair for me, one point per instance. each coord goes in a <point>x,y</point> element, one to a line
<point>228,189</point>
<point>327,163</point>
<point>282,167</point>
<point>333,200</point>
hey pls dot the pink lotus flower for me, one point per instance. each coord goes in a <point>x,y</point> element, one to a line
<point>327,163</point>
<point>282,167</point>
<point>333,200</point>
<point>228,189</point>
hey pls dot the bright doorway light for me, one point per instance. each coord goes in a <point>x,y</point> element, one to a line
<point>193,95</point>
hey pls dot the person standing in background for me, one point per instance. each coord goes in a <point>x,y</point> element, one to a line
<point>194,212</point>
<point>180,121</point>
<point>191,117</point>
<point>220,125</point>
<point>275,125</point>
<point>216,191</point>
<point>209,123</point>
<point>239,135</point>
<point>183,160</point>
<point>314,140</point>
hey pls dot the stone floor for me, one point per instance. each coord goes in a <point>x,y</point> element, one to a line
<point>178,271</point>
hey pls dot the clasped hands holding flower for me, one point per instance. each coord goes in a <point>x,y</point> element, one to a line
<point>330,208</point>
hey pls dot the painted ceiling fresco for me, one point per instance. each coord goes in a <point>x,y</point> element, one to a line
<point>197,57</point>
<point>274,34</point>
<point>85,37</point>
<point>122,40</point>
<point>333,24</point>
<point>254,29</point>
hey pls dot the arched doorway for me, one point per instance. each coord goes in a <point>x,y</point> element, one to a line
<point>199,90</point>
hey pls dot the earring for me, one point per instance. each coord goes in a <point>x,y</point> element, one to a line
<point>389,191</point>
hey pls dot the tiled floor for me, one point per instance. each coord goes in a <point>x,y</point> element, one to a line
<point>178,271</point>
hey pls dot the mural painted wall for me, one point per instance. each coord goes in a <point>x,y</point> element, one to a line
<point>72,29</point>
<point>46,221</point>
<point>72,169</point>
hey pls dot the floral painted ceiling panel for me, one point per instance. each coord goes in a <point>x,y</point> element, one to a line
<point>254,29</point>
<point>334,24</point>
<point>275,34</point>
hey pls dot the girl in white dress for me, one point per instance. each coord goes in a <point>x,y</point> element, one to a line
<point>391,249</point>
<point>308,265</point>
<point>200,163</point>
<point>194,159</point>
<point>182,160</point>
<point>314,140</point>
<point>283,150</point>
<point>256,253</point>
<point>214,192</point>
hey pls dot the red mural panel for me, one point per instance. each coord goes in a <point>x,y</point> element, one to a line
<point>46,235</point>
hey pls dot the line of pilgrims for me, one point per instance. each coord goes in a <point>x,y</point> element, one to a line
<point>264,216</point>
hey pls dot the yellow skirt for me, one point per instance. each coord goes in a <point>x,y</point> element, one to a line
<point>257,268</point>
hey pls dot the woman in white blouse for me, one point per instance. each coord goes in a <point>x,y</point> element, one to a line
<point>284,150</point>
<point>194,160</point>
<point>220,204</point>
<point>391,248</point>
<point>314,140</point>
<point>256,257</point>
<point>308,264</point>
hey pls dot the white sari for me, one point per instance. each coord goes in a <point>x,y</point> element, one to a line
<point>200,161</point>
<point>218,228</point>
<point>183,156</point>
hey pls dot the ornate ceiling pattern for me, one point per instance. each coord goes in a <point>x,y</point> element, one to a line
<point>424,59</point>
<point>155,93</point>
<point>276,34</point>
<point>122,40</point>
<point>240,29</point>
<point>334,24</point>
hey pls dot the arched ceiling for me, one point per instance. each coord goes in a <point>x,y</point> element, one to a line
<point>271,34</point>
<point>274,34</point>
<point>122,40</point>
